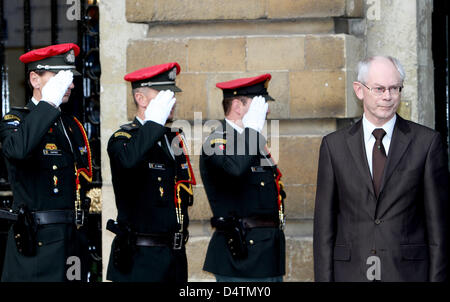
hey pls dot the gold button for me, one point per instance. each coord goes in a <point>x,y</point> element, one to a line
<point>159,178</point>
<point>262,183</point>
<point>55,167</point>
<point>40,243</point>
<point>251,242</point>
<point>17,236</point>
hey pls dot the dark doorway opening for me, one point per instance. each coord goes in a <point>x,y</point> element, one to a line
<point>31,24</point>
<point>440,49</point>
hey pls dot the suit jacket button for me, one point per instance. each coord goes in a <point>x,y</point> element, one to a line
<point>373,251</point>
<point>377,221</point>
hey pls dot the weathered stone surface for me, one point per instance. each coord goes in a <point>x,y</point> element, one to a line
<point>200,10</point>
<point>182,10</point>
<point>275,53</point>
<point>305,8</point>
<point>149,52</point>
<point>324,52</point>
<point>216,54</point>
<point>299,159</point>
<point>299,259</point>
<point>193,97</point>
<point>317,94</point>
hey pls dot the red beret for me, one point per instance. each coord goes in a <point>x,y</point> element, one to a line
<point>250,87</point>
<point>49,51</point>
<point>159,77</point>
<point>244,82</point>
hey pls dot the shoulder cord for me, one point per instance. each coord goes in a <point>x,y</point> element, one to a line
<point>181,184</point>
<point>279,184</point>
<point>86,173</point>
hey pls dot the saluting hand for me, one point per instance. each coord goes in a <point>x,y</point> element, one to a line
<point>256,114</point>
<point>158,110</point>
<point>54,90</point>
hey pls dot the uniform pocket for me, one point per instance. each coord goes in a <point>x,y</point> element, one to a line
<point>49,235</point>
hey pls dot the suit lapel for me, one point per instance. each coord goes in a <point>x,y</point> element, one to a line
<point>355,142</point>
<point>401,139</point>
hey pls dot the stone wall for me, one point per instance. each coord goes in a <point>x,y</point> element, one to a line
<point>311,48</point>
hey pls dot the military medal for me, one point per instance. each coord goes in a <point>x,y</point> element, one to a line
<point>55,184</point>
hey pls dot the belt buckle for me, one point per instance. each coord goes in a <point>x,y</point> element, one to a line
<point>79,218</point>
<point>178,241</point>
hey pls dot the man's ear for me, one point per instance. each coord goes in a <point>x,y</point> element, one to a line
<point>35,80</point>
<point>358,88</point>
<point>140,99</point>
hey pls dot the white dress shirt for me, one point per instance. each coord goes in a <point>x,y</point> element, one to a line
<point>369,139</point>
<point>238,129</point>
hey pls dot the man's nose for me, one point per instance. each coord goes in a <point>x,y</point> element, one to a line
<point>387,94</point>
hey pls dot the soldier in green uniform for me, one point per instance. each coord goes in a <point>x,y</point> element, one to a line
<point>43,147</point>
<point>242,183</point>
<point>152,179</point>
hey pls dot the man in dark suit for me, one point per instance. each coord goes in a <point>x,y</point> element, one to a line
<point>243,186</point>
<point>152,179</point>
<point>382,191</point>
<point>43,147</point>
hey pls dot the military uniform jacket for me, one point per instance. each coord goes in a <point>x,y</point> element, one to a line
<point>144,173</point>
<point>239,181</point>
<point>41,163</point>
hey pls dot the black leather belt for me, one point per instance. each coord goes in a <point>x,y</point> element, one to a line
<point>247,222</point>
<point>43,217</point>
<point>175,241</point>
<point>259,222</point>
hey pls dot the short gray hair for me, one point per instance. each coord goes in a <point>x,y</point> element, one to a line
<point>363,67</point>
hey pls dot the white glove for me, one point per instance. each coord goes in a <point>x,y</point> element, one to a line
<point>54,90</point>
<point>158,110</point>
<point>256,114</point>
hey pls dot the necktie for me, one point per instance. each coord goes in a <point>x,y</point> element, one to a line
<point>378,159</point>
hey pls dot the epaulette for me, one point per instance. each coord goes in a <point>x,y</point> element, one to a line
<point>16,114</point>
<point>129,126</point>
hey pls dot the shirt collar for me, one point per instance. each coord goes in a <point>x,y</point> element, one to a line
<point>236,127</point>
<point>369,127</point>
<point>140,120</point>
<point>34,100</point>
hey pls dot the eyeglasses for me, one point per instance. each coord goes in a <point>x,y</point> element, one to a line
<point>379,91</point>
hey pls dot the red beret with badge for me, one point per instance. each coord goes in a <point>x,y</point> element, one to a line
<point>250,87</point>
<point>52,58</point>
<point>159,77</point>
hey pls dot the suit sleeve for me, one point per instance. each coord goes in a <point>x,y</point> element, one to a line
<point>128,152</point>
<point>436,199</point>
<point>233,155</point>
<point>324,217</point>
<point>20,138</point>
